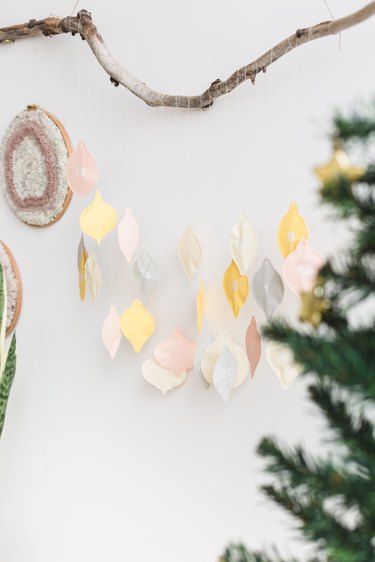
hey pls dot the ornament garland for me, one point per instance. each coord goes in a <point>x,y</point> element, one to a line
<point>219,361</point>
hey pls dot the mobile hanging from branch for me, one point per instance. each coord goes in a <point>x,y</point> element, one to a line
<point>83,25</point>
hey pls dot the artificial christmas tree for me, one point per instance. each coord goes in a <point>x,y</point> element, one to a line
<point>333,498</point>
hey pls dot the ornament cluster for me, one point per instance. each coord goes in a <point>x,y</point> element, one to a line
<point>219,361</point>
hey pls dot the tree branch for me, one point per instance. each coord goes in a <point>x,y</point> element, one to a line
<point>83,25</point>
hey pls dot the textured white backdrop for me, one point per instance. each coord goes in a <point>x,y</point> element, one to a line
<point>95,464</point>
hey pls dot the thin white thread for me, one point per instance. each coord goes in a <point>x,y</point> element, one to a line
<point>333,17</point>
<point>75,6</point>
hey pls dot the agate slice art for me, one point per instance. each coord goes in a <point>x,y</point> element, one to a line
<point>33,159</point>
<point>14,287</point>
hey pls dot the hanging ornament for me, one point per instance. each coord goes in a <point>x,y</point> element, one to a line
<point>81,171</point>
<point>338,165</point>
<point>145,274</point>
<point>212,353</point>
<point>268,288</point>
<point>189,252</point>
<point>98,219</point>
<point>160,377</point>
<point>176,354</point>
<point>33,156</point>
<point>282,361</point>
<point>128,234</point>
<point>14,287</point>
<point>253,345</point>
<point>292,229</point>
<point>236,288</point>
<point>243,243</point>
<point>137,325</point>
<point>82,258</point>
<point>313,306</point>
<point>198,358</point>
<point>111,332</point>
<point>200,307</point>
<point>93,276</point>
<point>224,375</point>
<point>301,267</point>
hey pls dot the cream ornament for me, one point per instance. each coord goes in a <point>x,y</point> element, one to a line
<point>212,353</point>
<point>189,252</point>
<point>160,377</point>
<point>243,244</point>
<point>283,364</point>
<point>98,219</point>
<point>93,276</point>
<point>137,325</point>
<point>198,358</point>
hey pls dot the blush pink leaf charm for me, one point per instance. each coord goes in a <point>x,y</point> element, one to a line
<point>81,171</point>
<point>301,268</point>
<point>111,332</point>
<point>176,353</point>
<point>253,345</point>
<point>128,234</point>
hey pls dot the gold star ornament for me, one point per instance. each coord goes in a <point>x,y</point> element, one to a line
<point>313,306</point>
<point>339,165</point>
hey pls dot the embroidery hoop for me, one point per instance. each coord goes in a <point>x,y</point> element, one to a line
<point>17,276</point>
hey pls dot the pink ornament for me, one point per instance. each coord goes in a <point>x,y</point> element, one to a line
<point>111,332</point>
<point>253,345</point>
<point>81,171</point>
<point>128,234</point>
<point>301,267</point>
<point>176,353</point>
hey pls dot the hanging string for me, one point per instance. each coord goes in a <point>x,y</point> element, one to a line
<point>75,7</point>
<point>333,17</point>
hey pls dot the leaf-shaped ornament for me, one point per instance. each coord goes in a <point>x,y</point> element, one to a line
<point>283,363</point>
<point>268,288</point>
<point>225,373</point>
<point>253,345</point>
<point>111,332</point>
<point>160,377</point>
<point>292,229</point>
<point>236,288</point>
<point>176,354</point>
<point>189,252</point>
<point>145,274</point>
<point>93,276</point>
<point>243,243</point>
<point>128,234</point>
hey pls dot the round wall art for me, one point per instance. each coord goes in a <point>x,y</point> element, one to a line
<point>33,159</point>
<point>14,287</point>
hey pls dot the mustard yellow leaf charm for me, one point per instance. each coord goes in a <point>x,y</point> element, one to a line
<point>98,219</point>
<point>292,229</point>
<point>236,288</point>
<point>82,259</point>
<point>137,325</point>
<point>200,307</point>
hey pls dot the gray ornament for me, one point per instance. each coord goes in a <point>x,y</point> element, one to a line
<point>225,373</point>
<point>268,288</point>
<point>145,274</point>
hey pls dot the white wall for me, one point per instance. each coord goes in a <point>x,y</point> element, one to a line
<point>95,464</point>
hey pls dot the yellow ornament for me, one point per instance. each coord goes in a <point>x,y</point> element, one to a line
<point>236,288</point>
<point>200,307</point>
<point>339,165</point>
<point>82,259</point>
<point>313,306</point>
<point>137,325</point>
<point>98,219</point>
<point>292,229</point>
